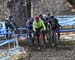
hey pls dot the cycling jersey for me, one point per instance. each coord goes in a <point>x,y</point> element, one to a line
<point>29,25</point>
<point>37,25</point>
<point>54,24</point>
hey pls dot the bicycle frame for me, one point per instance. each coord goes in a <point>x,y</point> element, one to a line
<point>49,32</point>
<point>30,37</point>
<point>41,39</point>
<point>55,37</point>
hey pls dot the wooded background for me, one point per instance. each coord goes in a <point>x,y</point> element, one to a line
<point>22,9</point>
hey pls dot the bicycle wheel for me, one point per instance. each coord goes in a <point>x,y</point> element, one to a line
<point>29,38</point>
<point>55,37</point>
<point>50,34</point>
<point>41,39</point>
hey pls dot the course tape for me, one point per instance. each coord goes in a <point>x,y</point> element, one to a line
<point>3,42</point>
<point>67,30</point>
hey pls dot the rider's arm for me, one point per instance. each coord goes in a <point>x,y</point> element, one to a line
<point>42,22</point>
<point>56,20</point>
<point>34,27</point>
<point>15,25</point>
<point>57,23</point>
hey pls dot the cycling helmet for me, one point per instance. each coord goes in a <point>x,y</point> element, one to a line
<point>37,18</point>
<point>44,16</point>
<point>10,17</point>
<point>48,14</point>
<point>52,17</point>
<point>7,19</point>
<point>40,15</point>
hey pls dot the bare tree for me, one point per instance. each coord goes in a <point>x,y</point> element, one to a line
<point>44,6</point>
<point>20,9</point>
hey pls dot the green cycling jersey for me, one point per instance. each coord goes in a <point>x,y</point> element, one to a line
<point>39,24</point>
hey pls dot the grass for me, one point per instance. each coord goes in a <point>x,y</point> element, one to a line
<point>68,43</point>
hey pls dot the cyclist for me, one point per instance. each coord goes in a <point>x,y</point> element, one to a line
<point>39,26</point>
<point>55,26</point>
<point>45,18</point>
<point>11,20</point>
<point>48,15</point>
<point>29,30</point>
<point>10,24</point>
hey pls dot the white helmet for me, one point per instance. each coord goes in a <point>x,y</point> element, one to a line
<point>44,16</point>
<point>7,19</point>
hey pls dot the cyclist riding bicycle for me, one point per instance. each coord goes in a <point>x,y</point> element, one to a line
<point>39,26</point>
<point>55,26</point>
<point>29,27</point>
<point>10,24</point>
<point>45,17</point>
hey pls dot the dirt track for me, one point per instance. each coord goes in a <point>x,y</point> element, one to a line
<point>53,54</point>
<point>62,53</point>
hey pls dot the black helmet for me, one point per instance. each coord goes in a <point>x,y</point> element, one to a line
<point>7,19</point>
<point>52,17</point>
<point>10,17</point>
<point>40,15</point>
<point>48,14</point>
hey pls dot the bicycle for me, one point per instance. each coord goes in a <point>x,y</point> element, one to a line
<point>30,37</point>
<point>55,39</point>
<point>40,40</point>
<point>49,34</point>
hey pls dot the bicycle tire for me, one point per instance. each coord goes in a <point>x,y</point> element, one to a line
<point>56,41</point>
<point>50,34</point>
<point>41,39</point>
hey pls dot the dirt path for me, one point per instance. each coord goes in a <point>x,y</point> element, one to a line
<point>65,52</point>
<point>53,54</point>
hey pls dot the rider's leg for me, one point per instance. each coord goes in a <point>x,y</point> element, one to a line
<point>53,38</point>
<point>44,32</point>
<point>58,35</point>
<point>30,39</point>
<point>32,35</point>
<point>7,34</point>
<point>37,35</point>
<point>39,45</point>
